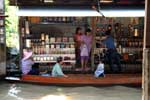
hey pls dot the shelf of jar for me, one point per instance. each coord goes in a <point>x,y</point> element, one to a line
<point>127,37</point>
<point>60,52</point>
<point>45,42</point>
<point>65,61</point>
<point>12,70</point>
<point>126,48</point>
<point>53,55</point>
<point>63,48</point>
<point>124,63</point>
<point>49,68</point>
<point>59,49</point>
<point>60,43</point>
<point>57,23</point>
<point>132,47</point>
<point>38,39</point>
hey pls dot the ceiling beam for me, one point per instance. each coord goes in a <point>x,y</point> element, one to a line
<point>52,2</point>
<point>73,2</point>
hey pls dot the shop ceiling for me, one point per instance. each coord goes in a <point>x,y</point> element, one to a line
<point>93,7</point>
<point>109,3</point>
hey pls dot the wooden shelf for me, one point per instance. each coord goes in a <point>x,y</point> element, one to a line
<point>57,23</point>
<point>47,56</point>
<point>62,43</point>
<point>54,55</point>
<point>135,48</point>
<point>69,61</point>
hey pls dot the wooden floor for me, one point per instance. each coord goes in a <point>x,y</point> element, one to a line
<point>86,79</point>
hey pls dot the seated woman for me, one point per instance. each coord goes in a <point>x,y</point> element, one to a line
<point>57,70</point>
<point>27,61</point>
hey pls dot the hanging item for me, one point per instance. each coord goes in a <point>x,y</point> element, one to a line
<point>42,36</point>
<point>47,39</point>
<point>27,27</point>
<point>135,32</point>
<point>28,43</point>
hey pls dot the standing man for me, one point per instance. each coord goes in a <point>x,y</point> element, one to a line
<point>112,54</point>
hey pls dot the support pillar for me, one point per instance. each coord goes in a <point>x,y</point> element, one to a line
<point>146,54</point>
<point>146,74</point>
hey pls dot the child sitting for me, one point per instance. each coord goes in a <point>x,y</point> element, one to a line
<point>100,70</point>
<point>57,69</point>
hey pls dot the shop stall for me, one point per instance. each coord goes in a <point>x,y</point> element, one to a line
<point>51,37</point>
<point>50,31</point>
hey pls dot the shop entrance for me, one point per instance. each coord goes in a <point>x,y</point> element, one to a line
<point>145,69</point>
<point>51,37</point>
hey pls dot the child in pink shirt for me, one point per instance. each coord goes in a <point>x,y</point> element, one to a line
<point>85,49</point>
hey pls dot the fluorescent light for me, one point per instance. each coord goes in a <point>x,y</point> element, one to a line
<point>106,1</point>
<point>48,1</point>
<point>123,13</point>
<point>58,12</point>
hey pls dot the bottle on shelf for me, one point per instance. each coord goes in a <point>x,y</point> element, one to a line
<point>136,33</point>
<point>64,19</point>
<point>28,43</point>
<point>43,36</point>
<point>50,19</point>
<point>27,30</point>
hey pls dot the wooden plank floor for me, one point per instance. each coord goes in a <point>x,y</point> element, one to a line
<point>86,79</point>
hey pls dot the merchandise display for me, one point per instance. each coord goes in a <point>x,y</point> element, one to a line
<point>47,48</point>
<point>51,40</point>
<point>2,30</point>
<point>128,37</point>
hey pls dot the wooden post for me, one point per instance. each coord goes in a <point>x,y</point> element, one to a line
<point>93,24</point>
<point>20,39</point>
<point>146,54</point>
<point>2,42</point>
